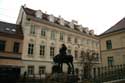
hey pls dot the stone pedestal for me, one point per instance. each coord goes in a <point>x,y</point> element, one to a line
<point>72,78</point>
<point>65,78</point>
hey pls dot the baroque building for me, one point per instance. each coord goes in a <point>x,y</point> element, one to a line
<point>43,35</point>
<point>112,44</point>
<point>11,42</point>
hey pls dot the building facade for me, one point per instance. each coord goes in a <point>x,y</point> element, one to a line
<point>43,36</point>
<point>112,43</point>
<point>11,38</point>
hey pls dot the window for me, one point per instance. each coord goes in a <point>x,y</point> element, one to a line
<point>62,36</point>
<point>32,29</point>
<point>97,44</point>
<point>13,30</point>
<point>69,51</point>
<point>43,32</point>
<point>76,54</point>
<point>82,53</point>
<point>42,50</point>
<point>69,39</point>
<point>30,70</point>
<point>87,42</point>
<point>110,60</point>
<point>30,48</point>
<point>75,40</point>
<point>16,47</point>
<point>2,45</point>
<point>109,44</point>
<point>53,35</point>
<point>52,51</point>
<point>42,69</point>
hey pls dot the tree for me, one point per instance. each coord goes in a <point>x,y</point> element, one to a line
<point>87,60</point>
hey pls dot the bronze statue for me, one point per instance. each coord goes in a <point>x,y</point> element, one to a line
<point>61,58</point>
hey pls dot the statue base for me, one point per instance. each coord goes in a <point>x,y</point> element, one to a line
<point>71,78</point>
<point>65,78</point>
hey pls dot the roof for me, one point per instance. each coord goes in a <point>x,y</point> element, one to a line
<point>32,12</point>
<point>119,26</point>
<point>10,30</point>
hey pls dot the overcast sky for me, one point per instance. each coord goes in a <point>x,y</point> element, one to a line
<point>95,14</point>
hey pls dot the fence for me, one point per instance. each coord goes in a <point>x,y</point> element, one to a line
<point>108,73</point>
<point>99,75</point>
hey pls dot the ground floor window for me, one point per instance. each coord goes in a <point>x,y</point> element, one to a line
<point>30,70</point>
<point>110,60</point>
<point>42,69</point>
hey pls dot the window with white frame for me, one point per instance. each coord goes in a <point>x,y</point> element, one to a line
<point>61,36</point>
<point>69,39</point>
<point>69,51</point>
<point>42,70</point>
<point>76,54</point>
<point>88,42</point>
<point>109,44</point>
<point>75,40</point>
<point>52,51</point>
<point>30,48</point>
<point>42,50</point>
<point>43,32</point>
<point>110,60</point>
<point>53,35</point>
<point>32,29</point>
<point>30,70</point>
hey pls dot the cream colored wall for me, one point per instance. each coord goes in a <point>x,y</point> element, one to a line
<point>10,43</point>
<point>38,40</point>
<point>117,51</point>
<point>117,55</point>
<point>118,41</point>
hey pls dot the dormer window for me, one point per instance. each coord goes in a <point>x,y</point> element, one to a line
<point>7,29</point>
<point>13,30</point>
<point>71,24</point>
<point>61,20</point>
<point>38,14</point>
<point>91,32</point>
<point>86,30</point>
<point>51,18</point>
<point>80,28</point>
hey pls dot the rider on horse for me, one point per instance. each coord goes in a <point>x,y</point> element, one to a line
<point>61,58</point>
<point>62,51</point>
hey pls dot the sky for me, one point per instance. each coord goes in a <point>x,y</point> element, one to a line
<point>98,15</point>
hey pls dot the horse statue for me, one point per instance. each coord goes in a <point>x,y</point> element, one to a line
<point>59,60</point>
